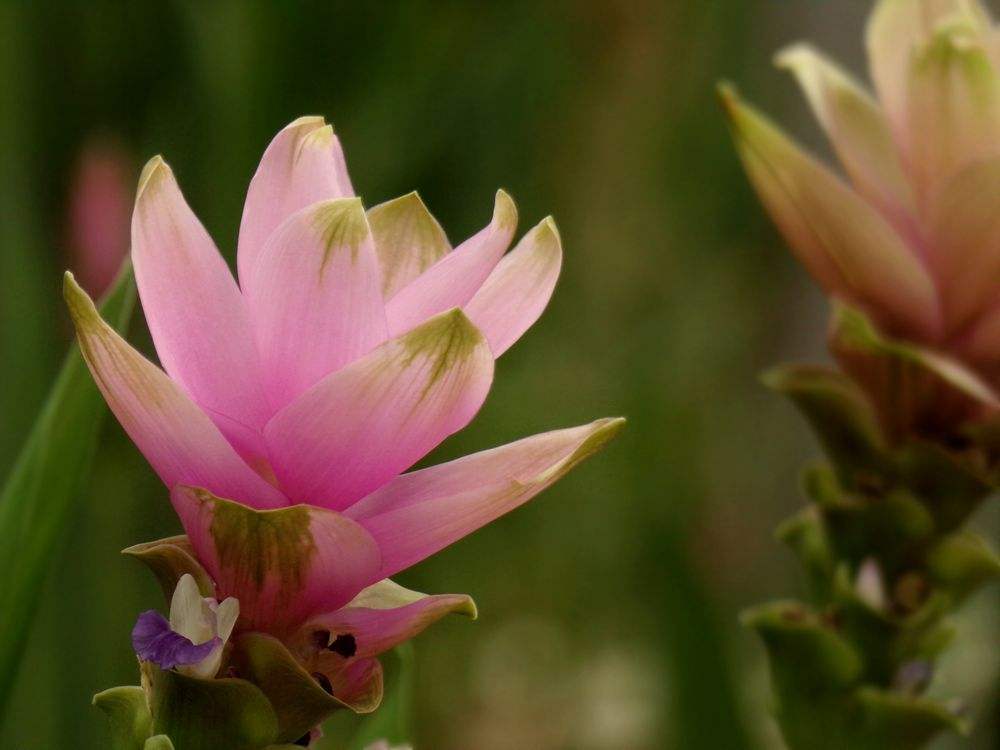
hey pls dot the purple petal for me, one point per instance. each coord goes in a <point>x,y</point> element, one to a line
<point>154,641</point>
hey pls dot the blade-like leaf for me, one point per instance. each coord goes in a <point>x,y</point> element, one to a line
<point>42,493</point>
<point>394,719</point>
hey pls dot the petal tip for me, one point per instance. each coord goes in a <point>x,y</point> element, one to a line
<point>309,121</point>
<point>81,306</point>
<point>320,137</point>
<point>548,233</point>
<point>154,170</point>
<point>794,55</point>
<point>504,210</point>
<point>450,336</point>
<point>468,608</point>
<point>341,221</point>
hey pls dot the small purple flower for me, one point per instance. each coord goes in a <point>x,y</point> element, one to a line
<point>192,639</point>
<point>154,641</point>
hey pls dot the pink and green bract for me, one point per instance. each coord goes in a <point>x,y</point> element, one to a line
<point>290,403</point>
<point>910,238</point>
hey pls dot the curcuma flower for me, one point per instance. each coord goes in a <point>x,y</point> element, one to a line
<point>193,638</point>
<point>291,402</point>
<point>911,239</point>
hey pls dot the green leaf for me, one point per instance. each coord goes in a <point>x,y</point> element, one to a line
<point>129,717</point>
<point>43,492</point>
<point>159,742</point>
<point>900,721</point>
<point>169,559</point>
<point>805,534</point>
<point>841,415</point>
<point>209,714</point>
<point>394,719</point>
<point>962,562</point>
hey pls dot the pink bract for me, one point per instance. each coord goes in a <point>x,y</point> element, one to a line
<point>290,403</point>
<point>910,237</point>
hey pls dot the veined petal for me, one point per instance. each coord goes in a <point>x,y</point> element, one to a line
<point>195,311</point>
<point>965,231</point>
<point>408,240</point>
<point>856,128</point>
<point>315,297</point>
<point>382,616</point>
<point>953,109</point>
<point>842,241</point>
<point>359,427</point>
<point>176,437</point>
<point>453,280</point>
<point>515,294</point>
<point>895,29</point>
<point>282,565</point>
<point>422,512</point>
<point>302,165</point>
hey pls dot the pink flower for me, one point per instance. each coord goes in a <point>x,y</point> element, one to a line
<point>913,238</point>
<point>98,214</point>
<point>354,343</point>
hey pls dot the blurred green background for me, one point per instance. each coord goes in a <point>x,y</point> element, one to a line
<point>609,605</point>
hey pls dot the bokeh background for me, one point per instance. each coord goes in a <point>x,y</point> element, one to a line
<point>609,605</point>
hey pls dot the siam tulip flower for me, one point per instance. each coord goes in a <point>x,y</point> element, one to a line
<point>909,240</point>
<point>292,402</point>
<point>98,226</point>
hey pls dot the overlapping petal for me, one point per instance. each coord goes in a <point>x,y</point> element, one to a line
<point>408,239</point>
<point>965,226</point>
<point>895,29</point>
<point>381,617</point>
<point>953,109</point>
<point>281,565</point>
<point>515,294</point>
<point>180,442</point>
<point>302,165</point>
<point>453,280</point>
<point>843,242</point>
<point>359,427</point>
<point>419,513</point>
<point>194,309</point>
<point>856,127</point>
<point>315,297</point>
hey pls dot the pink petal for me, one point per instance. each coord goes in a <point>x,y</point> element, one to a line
<point>965,230</point>
<point>420,513</point>
<point>358,684</point>
<point>896,29</point>
<point>408,239</point>
<point>359,427</point>
<point>953,112</point>
<point>177,438</point>
<point>841,240</point>
<point>302,165</point>
<point>315,297</point>
<point>856,128</point>
<point>380,618</point>
<point>516,293</point>
<point>283,565</point>
<point>195,312</point>
<point>453,280</point>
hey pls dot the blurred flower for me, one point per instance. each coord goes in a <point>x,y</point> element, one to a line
<point>355,343</point>
<point>193,639</point>
<point>914,241</point>
<point>98,232</point>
